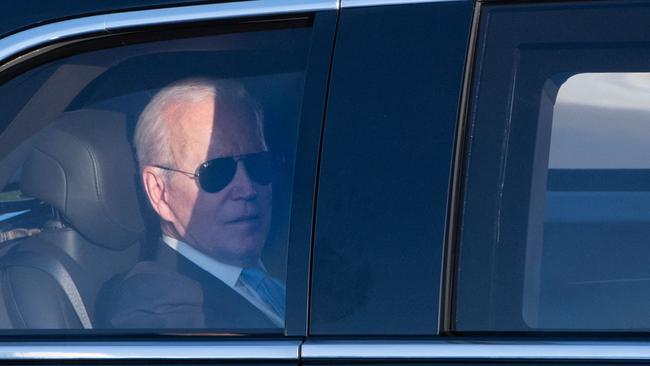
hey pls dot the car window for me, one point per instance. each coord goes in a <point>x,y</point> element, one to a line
<point>148,186</point>
<point>600,122</point>
<point>555,204</point>
<point>588,258</point>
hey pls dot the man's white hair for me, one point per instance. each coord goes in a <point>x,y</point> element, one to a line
<point>151,138</point>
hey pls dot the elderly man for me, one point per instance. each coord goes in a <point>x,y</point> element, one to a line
<point>207,173</point>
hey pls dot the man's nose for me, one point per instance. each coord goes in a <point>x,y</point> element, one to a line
<point>242,185</point>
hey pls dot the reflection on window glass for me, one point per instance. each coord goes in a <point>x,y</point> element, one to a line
<point>602,121</point>
<point>586,265</point>
<point>147,187</point>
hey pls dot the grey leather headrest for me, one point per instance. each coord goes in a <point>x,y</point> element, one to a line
<point>82,165</point>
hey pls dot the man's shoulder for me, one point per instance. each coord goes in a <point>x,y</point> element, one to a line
<point>153,273</point>
<point>154,295</point>
<point>153,280</point>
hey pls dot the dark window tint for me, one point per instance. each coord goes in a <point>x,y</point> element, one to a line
<point>557,195</point>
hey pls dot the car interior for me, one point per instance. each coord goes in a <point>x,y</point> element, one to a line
<point>81,166</point>
<point>72,213</point>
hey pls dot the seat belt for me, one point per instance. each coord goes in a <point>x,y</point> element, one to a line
<point>53,267</point>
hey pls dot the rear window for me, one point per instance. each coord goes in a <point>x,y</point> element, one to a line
<point>587,258</point>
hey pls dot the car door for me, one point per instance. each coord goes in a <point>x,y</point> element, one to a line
<point>72,93</point>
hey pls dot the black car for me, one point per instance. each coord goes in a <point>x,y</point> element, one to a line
<point>431,181</point>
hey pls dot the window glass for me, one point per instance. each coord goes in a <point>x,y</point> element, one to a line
<point>20,15</point>
<point>555,188</point>
<point>600,121</point>
<point>148,186</point>
<point>590,258</point>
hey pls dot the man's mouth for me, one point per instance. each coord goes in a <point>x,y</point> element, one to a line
<point>244,219</point>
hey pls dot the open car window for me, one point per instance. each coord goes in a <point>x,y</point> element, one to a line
<point>178,218</point>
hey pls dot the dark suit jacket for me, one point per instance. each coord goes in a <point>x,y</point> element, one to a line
<point>172,292</point>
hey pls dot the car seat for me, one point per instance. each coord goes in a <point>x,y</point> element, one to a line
<point>82,165</point>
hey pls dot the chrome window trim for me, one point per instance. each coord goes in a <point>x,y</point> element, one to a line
<point>361,3</point>
<point>31,38</point>
<point>475,351</point>
<point>255,350</point>
<point>291,350</point>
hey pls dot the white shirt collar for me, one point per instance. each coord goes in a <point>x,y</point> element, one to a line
<point>227,273</point>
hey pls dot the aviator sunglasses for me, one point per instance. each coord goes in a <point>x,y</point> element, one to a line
<point>215,174</point>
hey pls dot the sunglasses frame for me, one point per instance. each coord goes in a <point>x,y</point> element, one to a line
<point>197,173</point>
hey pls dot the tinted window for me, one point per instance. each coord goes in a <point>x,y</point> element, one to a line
<point>555,208</point>
<point>589,260</point>
<point>600,121</point>
<point>148,186</point>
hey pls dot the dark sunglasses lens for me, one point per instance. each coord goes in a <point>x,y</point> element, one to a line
<point>260,167</point>
<point>214,175</point>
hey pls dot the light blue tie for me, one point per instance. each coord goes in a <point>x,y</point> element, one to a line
<point>270,290</point>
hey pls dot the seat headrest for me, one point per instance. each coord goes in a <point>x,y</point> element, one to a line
<point>82,164</point>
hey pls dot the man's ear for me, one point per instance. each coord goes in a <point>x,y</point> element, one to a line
<point>155,184</point>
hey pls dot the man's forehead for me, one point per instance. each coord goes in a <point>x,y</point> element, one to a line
<point>224,128</point>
